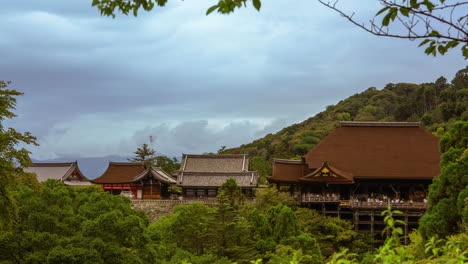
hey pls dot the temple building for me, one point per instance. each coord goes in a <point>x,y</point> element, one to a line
<point>360,168</point>
<point>134,180</point>
<point>66,172</point>
<point>200,176</point>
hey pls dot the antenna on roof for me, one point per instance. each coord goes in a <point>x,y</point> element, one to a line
<point>151,142</point>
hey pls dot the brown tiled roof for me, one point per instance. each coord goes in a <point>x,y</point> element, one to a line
<point>68,172</point>
<point>379,152</point>
<point>120,172</point>
<point>287,170</point>
<point>214,163</point>
<point>214,170</point>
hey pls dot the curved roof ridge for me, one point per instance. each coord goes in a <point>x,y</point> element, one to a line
<point>215,155</point>
<point>52,164</point>
<point>288,161</point>
<point>124,163</point>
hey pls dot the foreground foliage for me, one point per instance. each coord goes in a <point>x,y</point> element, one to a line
<point>448,194</point>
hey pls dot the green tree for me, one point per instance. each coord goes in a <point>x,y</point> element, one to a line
<point>12,158</point>
<point>62,224</point>
<point>167,164</point>
<point>192,227</point>
<point>230,225</point>
<point>262,165</point>
<point>448,192</point>
<point>144,154</point>
<point>267,197</point>
<point>332,233</point>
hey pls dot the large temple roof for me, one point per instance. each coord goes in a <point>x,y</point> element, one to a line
<point>68,172</point>
<point>128,172</point>
<point>214,170</point>
<point>372,150</point>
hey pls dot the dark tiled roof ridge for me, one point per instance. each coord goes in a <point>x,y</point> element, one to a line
<point>215,155</point>
<point>237,173</point>
<point>53,164</point>
<point>287,161</point>
<point>123,163</point>
<point>378,124</point>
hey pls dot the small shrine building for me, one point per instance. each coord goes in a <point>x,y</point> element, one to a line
<point>66,172</point>
<point>136,181</point>
<point>200,176</point>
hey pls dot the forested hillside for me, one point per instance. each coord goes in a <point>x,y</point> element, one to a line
<point>436,105</point>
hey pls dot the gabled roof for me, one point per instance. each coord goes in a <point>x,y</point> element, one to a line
<point>329,175</point>
<point>379,150</point>
<point>156,173</point>
<point>214,170</point>
<point>214,163</point>
<point>67,172</point>
<point>128,172</point>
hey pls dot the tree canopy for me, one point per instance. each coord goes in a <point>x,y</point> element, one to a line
<point>12,158</point>
<point>147,155</point>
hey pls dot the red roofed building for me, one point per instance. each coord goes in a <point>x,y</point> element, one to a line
<point>135,180</point>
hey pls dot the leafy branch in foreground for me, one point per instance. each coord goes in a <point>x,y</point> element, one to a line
<point>126,7</point>
<point>440,25</point>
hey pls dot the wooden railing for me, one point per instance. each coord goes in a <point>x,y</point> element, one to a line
<point>320,199</point>
<point>370,205</point>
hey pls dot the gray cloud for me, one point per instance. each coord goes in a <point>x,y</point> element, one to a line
<point>99,86</point>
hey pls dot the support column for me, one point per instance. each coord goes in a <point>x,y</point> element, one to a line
<point>356,220</point>
<point>372,222</point>
<point>323,209</point>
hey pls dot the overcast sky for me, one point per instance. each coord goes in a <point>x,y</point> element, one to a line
<point>97,86</point>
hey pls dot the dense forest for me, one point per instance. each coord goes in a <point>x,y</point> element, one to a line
<point>436,105</point>
<point>52,223</point>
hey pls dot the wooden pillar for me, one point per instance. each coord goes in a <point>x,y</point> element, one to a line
<point>339,209</point>
<point>372,222</point>
<point>356,220</point>
<point>323,209</point>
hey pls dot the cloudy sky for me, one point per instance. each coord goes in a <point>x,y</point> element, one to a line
<point>97,86</point>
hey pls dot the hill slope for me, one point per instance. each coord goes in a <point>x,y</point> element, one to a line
<point>436,105</point>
